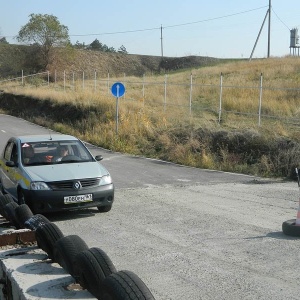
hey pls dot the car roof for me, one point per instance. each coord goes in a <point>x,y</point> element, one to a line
<point>45,138</point>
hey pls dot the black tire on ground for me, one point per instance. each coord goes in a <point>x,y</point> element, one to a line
<point>23,213</point>
<point>65,251</point>
<point>46,236</point>
<point>10,213</point>
<point>4,199</point>
<point>125,285</point>
<point>92,266</point>
<point>289,227</point>
<point>106,208</point>
<point>35,221</point>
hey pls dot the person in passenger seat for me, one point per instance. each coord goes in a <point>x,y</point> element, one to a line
<point>27,154</point>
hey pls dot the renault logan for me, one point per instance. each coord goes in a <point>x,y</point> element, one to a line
<point>54,173</point>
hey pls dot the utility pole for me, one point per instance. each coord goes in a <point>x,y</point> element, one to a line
<point>261,28</point>
<point>269,30</point>
<point>161,42</point>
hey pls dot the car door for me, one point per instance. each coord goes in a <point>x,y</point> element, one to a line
<point>9,174</point>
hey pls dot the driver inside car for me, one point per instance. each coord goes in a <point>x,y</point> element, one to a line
<point>62,152</point>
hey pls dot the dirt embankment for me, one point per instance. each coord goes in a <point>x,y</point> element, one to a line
<point>118,64</point>
<point>15,58</point>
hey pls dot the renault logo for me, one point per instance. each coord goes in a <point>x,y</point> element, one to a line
<point>77,185</point>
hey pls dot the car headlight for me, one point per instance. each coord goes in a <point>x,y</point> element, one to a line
<point>39,185</point>
<point>106,179</point>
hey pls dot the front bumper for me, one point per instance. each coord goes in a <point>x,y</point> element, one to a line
<point>53,200</point>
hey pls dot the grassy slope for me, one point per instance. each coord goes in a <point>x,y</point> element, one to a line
<point>272,150</point>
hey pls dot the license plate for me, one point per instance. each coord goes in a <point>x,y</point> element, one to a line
<point>78,198</point>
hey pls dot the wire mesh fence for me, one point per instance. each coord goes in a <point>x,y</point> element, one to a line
<point>191,97</point>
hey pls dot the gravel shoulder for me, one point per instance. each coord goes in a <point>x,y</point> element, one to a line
<point>212,241</point>
<point>191,233</point>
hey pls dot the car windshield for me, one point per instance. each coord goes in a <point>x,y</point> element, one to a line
<point>54,152</point>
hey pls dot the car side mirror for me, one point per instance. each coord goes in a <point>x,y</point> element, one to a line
<point>10,164</point>
<point>98,157</point>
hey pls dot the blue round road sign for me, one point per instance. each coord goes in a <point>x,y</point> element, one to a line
<point>118,89</point>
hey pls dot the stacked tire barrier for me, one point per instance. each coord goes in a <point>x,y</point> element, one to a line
<point>292,227</point>
<point>90,267</point>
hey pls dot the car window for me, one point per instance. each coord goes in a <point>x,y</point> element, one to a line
<point>14,154</point>
<point>8,150</point>
<point>54,152</point>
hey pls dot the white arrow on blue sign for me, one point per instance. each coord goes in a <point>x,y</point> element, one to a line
<point>118,89</point>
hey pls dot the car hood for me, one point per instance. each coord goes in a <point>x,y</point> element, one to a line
<point>67,171</point>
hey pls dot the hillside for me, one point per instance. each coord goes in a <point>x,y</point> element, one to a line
<point>235,143</point>
<point>14,58</point>
<point>133,65</point>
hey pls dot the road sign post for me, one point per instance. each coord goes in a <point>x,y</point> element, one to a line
<point>118,90</point>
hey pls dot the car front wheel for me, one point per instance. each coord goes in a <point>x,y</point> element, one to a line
<point>105,208</point>
<point>21,197</point>
<point>1,188</point>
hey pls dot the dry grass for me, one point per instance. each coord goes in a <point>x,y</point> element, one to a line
<point>153,125</point>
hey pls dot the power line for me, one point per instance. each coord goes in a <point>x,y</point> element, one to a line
<point>170,26</point>
<point>159,28</point>
<point>117,32</point>
<point>280,19</point>
<point>216,18</point>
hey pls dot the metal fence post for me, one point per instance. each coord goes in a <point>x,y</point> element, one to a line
<point>22,78</point>
<point>260,100</point>
<point>191,93</point>
<point>124,85</point>
<point>165,94</point>
<point>48,78</point>
<point>73,80</point>
<point>83,80</point>
<point>64,80</point>
<point>108,83</point>
<point>143,89</point>
<point>220,102</point>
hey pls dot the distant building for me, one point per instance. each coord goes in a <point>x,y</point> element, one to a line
<point>294,42</point>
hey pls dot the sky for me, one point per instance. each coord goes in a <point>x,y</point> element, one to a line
<point>214,28</point>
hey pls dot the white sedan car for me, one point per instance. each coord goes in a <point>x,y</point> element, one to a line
<point>54,173</point>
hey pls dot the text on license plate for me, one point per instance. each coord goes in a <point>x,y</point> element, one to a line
<point>78,198</point>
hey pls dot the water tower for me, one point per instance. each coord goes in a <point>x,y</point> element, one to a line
<point>294,42</point>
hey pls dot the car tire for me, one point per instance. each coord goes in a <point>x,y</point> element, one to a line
<point>65,251</point>
<point>35,221</point>
<point>21,197</point>
<point>23,213</point>
<point>92,266</point>
<point>46,236</point>
<point>4,199</point>
<point>105,208</point>
<point>2,188</point>
<point>290,228</point>
<point>125,285</point>
<point>10,213</point>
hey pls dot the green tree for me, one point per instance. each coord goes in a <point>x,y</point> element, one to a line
<point>79,45</point>
<point>46,32</point>
<point>122,49</point>
<point>3,40</point>
<point>96,45</point>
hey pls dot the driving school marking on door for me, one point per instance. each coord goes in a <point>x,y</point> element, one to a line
<point>118,90</point>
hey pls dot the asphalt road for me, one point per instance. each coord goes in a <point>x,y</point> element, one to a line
<point>190,233</point>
